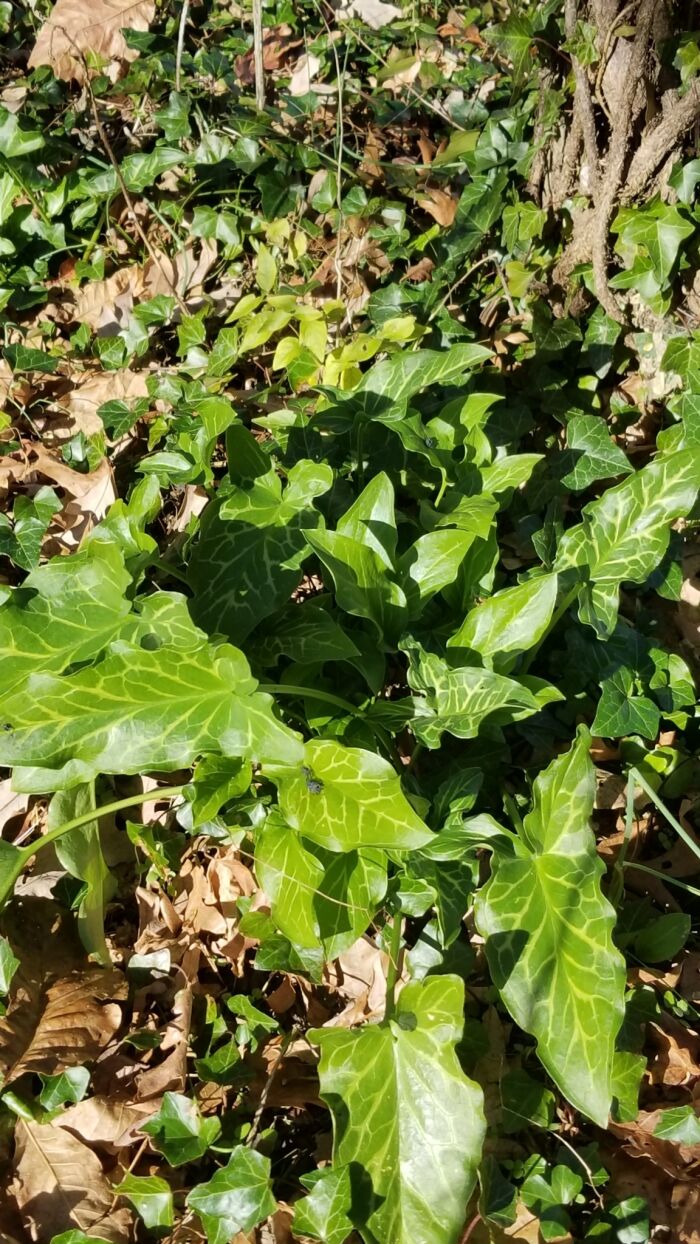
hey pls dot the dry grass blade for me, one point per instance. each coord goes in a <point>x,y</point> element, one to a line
<point>75,27</point>
<point>60,1185</point>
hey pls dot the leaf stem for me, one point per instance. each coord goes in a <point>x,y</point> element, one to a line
<point>682,833</point>
<point>392,975</point>
<point>94,814</point>
<point>310,693</point>
<point>654,872</point>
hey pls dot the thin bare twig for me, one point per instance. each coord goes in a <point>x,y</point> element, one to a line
<point>258,61</point>
<point>184,13</point>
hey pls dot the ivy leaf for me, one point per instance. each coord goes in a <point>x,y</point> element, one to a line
<point>514,39</point>
<point>403,375</point>
<point>345,798</point>
<point>142,709</point>
<point>512,620</point>
<point>548,933</point>
<point>22,539</point>
<point>70,1085</point>
<point>620,712</point>
<point>404,1111</point>
<point>626,531</point>
<point>151,1197</point>
<point>325,1213</point>
<point>679,1124</point>
<point>317,898</point>
<point>65,612</point>
<point>594,453</point>
<point>215,781</point>
<point>8,960</point>
<point>660,229</point>
<point>236,1198</point>
<point>178,1130</point>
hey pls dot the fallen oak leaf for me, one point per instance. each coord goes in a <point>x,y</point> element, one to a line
<point>440,205</point>
<point>75,28</point>
<point>60,1186</point>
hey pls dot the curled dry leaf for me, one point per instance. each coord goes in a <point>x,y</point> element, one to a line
<point>60,1186</point>
<point>170,1075</point>
<point>76,27</point>
<point>440,205</point>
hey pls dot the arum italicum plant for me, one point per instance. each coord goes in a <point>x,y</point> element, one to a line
<point>343,832</point>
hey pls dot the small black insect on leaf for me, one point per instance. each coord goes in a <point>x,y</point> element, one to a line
<point>313,784</point>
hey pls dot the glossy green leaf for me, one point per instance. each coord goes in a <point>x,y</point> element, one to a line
<point>22,539</point>
<point>216,780</point>
<point>70,1085</point>
<point>236,1198</point>
<point>512,620</point>
<point>460,699</point>
<point>318,898</point>
<point>661,229</point>
<point>80,853</point>
<point>431,564</point>
<point>179,1131</point>
<point>404,375</point>
<point>363,584</point>
<point>404,1111</point>
<point>548,933</point>
<point>64,613</point>
<point>625,532</point>
<point>8,965</point>
<point>345,798</point>
<point>593,453</point>
<point>324,1213</point>
<point>150,1196</point>
<point>304,632</point>
<point>621,712</point>
<point>679,1124</point>
<point>142,709</point>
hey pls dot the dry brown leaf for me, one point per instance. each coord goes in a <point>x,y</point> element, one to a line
<point>63,1025</point>
<point>184,271</point>
<point>360,976</point>
<point>305,71</point>
<point>374,13</point>
<point>62,1010</point>
<point>678,1161</point>
<point>525,1228</point>
<point>677,1058</point>
<point>76,27</point>
<point>108,1123</point>
<point>420,271</point>
<point>60,1185</point>
<point>440,205</point>
<point>105,305</point>
<point>170,1075</point>
<point>77,410</point>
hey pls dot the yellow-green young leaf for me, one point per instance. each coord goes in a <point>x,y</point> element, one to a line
<point>141,709</point>
<point>236,1198</point>
<point>318,898</point>
<point>510,621</point>
<point>344,797</point>
<point>405,1114</point>
<point>8,963</point>
<point>151,1197</point>
<point>76,606</point>
<point>325,1213</point>
<point>625,532</point>
<point>265,270</point>
<point>403,375</point>
<point>548,931</point>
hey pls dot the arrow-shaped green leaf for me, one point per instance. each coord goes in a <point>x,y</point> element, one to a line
<point>548,933</point>
<point>404,1111</point>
